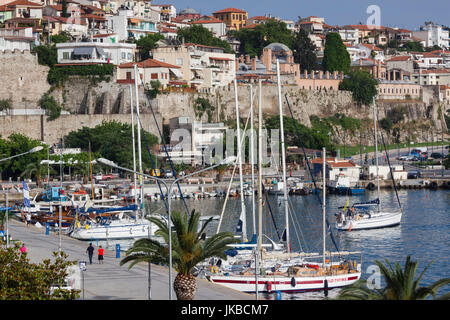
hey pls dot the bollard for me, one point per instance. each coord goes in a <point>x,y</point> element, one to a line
<point>278,295</point>
<point>47,228</point>
<point>118,250</point>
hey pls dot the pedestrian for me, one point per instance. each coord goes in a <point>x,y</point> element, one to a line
<point>90,252</point>
<point>28,218</point>
<point>23,249</point>
<point>100,255</point>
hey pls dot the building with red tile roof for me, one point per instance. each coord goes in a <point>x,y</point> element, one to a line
<point>234,18</point>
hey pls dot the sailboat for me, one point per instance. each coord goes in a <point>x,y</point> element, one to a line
<point>298,274</point>
<point>355,219</point>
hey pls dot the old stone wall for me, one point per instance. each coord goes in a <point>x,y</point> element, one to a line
<point>37,127</point>
<point>22,79</point>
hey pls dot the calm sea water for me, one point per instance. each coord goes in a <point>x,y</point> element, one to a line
<point>424,233</point>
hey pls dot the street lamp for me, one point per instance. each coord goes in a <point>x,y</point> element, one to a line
<point>35,149</point>
<point>225,161</point>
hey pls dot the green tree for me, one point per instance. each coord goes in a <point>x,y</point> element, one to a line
<point>34,169</point>
<point>62,37</point>
<point>386,124</point>
<point>200,35</point>
<point>111,140</point>
<point>5,104</point>
<point>47,55</point>
<point>22,280</point>
<point>336,56</point>
<point>147,43</point>
<point>414,46</point>
<point>362,85</point>
<point>16,144</point>
<point>51,106</point>
<point>64,12</point>
<point>400,284</point>
<point>311,138</point>
<point>189,248</point>
<point>202,105</point>
<point>254,40</point>
<point>304,51</point>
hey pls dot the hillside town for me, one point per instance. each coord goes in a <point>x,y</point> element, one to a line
<point>291,123</point>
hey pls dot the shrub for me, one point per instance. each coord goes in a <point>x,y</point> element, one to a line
<point>51,106</point>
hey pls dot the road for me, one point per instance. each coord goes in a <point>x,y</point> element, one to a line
<point>110,281</point>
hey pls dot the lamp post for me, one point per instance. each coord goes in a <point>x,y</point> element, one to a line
<point>35,149</point>
<point>110,163</point>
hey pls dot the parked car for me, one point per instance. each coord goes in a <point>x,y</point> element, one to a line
<point>403,158</point>
<point>414,175</point>
<point>436,155</point>
<point>104,177</point>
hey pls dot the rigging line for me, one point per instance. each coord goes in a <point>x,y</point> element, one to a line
<point>152,162</point>
<point>296,225</point>
<point>309,168</point>
<point>270,210</point>
<point>233,173</point>
<point>390,170</point>
<point>165,146</point>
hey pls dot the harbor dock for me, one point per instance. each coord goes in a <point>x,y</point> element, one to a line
<point>110,281</point>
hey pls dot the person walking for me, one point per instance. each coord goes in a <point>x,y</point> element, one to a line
<point>100,255</point>
<point>28,218</point>
<point>90,252</point>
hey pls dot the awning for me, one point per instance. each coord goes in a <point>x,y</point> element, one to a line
<point>83,51</point>
<point>176,72</point>
<point>100,51</point>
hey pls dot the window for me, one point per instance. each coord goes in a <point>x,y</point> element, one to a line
<point>154,76</point>
<point>66,55</point>
<point>124,55</point>
<point>130,56</point>
<point>179,61</point>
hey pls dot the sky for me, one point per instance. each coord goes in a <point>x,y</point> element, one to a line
<point>410,14</point>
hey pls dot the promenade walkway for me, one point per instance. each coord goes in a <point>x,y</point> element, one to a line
<point>110,281</point>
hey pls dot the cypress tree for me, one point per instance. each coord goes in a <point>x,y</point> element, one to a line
<point>336,57</point>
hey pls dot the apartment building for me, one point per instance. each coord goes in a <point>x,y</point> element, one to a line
<point>433,35</point>
<point>127,25</point>
<point>234,18</point>
<point>203,67</point>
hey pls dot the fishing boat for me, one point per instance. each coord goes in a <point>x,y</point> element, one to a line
<point>342,185</point>
<point>356,219</point>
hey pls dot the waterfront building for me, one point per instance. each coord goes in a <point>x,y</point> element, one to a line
<point>337,167</point>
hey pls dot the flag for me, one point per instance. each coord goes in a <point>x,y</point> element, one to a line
<point>240,223</point>
<point>26,195</point>
<point>346,204</point>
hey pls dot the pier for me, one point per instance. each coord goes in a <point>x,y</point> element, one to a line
<point>110,281</point>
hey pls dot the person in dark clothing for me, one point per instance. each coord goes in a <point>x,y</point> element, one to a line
<point>90,252</point>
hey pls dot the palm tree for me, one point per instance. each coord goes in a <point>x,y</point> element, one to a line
<point>36,169</point>
<point>400,284</point>
<point>189,248</point>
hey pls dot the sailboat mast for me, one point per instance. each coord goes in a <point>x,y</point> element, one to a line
<point>239,152</point>
<point>134,146</point>
<point>283,158</point>
<point>376,150</point>
<point>324,156</point>
<point>136,74</point>
<point>260,192</point>
<point>90,172</point>
<point>252,160</point>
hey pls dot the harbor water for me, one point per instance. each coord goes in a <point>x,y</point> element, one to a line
<point>423,233</point>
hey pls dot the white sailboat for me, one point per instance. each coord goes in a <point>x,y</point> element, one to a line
<point>361,220</point>
<point>276,271</point>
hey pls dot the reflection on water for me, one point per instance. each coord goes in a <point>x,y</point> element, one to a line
<point>423,233</point>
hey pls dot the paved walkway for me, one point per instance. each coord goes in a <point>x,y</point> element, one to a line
<point>110,281</point>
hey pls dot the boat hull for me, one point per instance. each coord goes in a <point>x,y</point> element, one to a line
<point>382,220</point>
<point>123,231</point>
<point>284,284</point>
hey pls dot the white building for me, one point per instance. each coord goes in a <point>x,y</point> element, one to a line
<point>127,25</point>
<point>166,11</point>
<point>203,67</point>
<point>16,39</point>
<point>433,35</point>
<point>384,172</point>
<point>216,26</point>
<point>95,52</point>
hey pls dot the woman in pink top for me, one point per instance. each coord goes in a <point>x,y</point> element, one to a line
<point>23,249</point>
